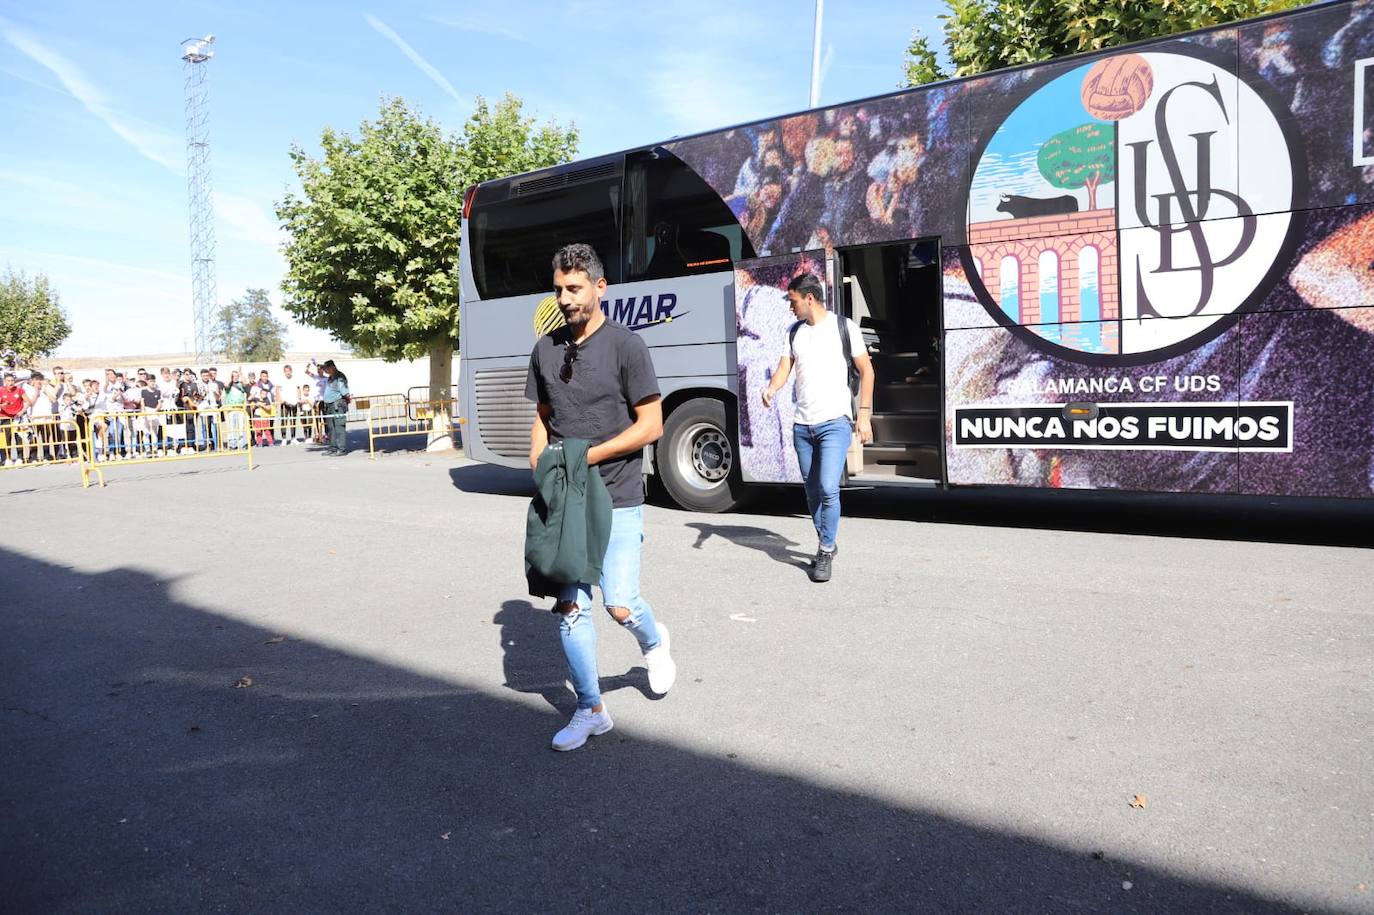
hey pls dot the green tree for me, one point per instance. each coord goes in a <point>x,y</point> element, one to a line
<point>1081,156</point>
<point>372,254</point>
<point>32,321</point>
<point>982,35</point>
<point>247,331</point>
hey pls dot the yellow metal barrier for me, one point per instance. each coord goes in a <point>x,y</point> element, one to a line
<point>312,421</point>
<point>154,437</point>
<point>393,420</point>
<point>364,402</point>
<point>45,442</point>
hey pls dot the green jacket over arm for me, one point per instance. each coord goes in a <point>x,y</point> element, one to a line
<point>569,521</point>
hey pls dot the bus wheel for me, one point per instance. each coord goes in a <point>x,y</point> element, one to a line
<point>696,460</point>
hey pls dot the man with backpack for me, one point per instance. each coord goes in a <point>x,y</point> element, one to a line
<point>833,368</point>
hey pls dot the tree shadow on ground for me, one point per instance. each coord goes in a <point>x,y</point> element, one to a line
<point>138,778</point>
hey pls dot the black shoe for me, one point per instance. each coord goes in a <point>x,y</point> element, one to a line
<point>820,566</point>
<point>833,553</point>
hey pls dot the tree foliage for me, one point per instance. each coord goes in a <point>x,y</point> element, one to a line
<point>32,321</point>
<point>247,331</point>
<point>373,245</point>
<point>1082,156</point>
<point>982,35</point>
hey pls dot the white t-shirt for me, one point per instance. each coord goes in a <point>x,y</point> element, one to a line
<point>288,393</point>
<point>42,401</point>
<point>167,392</point>
<point>822,386</point>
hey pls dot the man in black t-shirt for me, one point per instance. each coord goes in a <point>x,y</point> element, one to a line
<point>593,380</point>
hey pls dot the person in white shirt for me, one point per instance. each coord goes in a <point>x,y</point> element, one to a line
<point>824,421</point>
<point>117,431</point>
<point>166,390</point>
<point>288,408</point>
<point>41,398</point>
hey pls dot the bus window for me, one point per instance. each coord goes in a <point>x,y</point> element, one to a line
<point>675,224</point>
<point>513,241</point>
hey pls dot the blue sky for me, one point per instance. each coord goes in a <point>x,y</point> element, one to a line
<point>92,154</point>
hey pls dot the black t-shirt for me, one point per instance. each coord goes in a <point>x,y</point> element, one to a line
<point>611,374</point>
<point>150,397</point>
<point>187,395</point>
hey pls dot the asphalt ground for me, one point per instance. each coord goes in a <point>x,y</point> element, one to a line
<point>960,721</point>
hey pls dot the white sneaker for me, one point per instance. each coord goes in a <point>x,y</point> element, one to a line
<point>583,724</point>
<point>662,667</point>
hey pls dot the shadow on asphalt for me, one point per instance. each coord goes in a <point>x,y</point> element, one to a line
<point>533,662</point>
<point>772,544</point>
<point>1318,522</point>
<point>138,778</point>
<point>492,479</point>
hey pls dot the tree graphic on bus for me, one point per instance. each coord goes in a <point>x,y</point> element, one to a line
<point>1082,156</point>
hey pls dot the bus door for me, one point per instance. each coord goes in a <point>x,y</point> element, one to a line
<point>762,320</point>
<point>893,292</point>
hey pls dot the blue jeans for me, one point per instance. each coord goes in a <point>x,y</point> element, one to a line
<point>619,588</point>
<point>820,454</point>
<point>237,428</point>
<point>116,435</point>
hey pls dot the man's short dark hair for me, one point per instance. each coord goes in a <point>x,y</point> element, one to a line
<point>579,257</point>
<point>807,285</point>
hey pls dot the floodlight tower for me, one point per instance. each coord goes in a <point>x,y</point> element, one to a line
<point>196,53</point>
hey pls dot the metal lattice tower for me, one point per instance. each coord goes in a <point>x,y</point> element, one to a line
<point>204,294</point>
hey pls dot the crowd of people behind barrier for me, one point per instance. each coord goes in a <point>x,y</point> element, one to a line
<point>173,412</point>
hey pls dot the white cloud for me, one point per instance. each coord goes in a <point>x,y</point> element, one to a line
<point>247,219</point>
<point>425,66</point>
<point>471,24</point>
<point>151,142</point>
<point>705,88</point>
<point>114,307</point>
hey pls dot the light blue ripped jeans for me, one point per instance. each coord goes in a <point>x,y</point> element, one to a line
<point>619,588</point>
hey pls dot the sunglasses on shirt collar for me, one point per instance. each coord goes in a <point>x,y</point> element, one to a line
<point>569,357</point>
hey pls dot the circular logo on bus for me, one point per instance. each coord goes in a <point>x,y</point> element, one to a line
<point>1109,218</point>
<point>548,317</point>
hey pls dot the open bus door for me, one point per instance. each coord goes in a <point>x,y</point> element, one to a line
<point>893,292</point>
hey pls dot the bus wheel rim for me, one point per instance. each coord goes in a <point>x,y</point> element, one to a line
<point>705,456</point>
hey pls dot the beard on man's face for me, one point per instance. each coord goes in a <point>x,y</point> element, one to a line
<point>576,314</point>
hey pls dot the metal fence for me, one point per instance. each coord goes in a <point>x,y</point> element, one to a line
<point>409,418</point>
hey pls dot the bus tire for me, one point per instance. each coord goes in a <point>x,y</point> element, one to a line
<point>697,461</point>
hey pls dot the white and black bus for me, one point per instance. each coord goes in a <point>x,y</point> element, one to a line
<point>1147,269</point>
